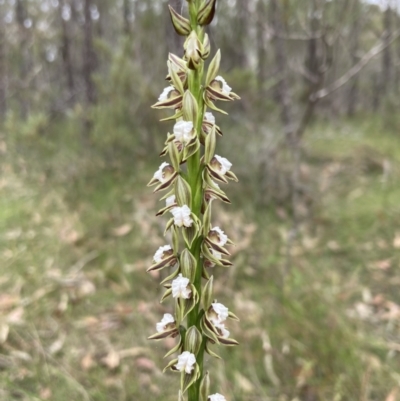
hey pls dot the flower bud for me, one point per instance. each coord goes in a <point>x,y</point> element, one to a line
<point>207,294</point>
<point>193,340</point>
<point>181,24</point>
<point>210,144</point>
<point>205,387</point>
<point>188,264</point>
<point>175,155</point>
<point>206,47</point>
<point>193,51</point>
<point>190,107</point>
<point>206,12</point>
<point>183,193</point>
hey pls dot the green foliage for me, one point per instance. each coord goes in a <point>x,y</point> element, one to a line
<point>72,220</point>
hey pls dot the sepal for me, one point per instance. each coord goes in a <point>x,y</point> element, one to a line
<point>206,47</point>
<point>171,365</point>
<point>211,105</point>
<point>171,276</point>
<point>205,387</point>
<point>176,80</point>
<point>181,24</point>
<point>232,316</point>
<point>191,233</point>
<point>176,348</point>
<point>206,12</point>
<point>174,154</point>
<point>210,352</point>
<point>174,101</point>
<point>207,220</point>
<point>188,379</point>
<point>213,68</point>
<point>207,294</point>
<point>166,295</point>
<point>210,144</point>
<point>164,334</point>
<point>208,330</point>
<point>191,149</point>
<point>185,306</point>
<point>230,342</point>
<point>168,261</point>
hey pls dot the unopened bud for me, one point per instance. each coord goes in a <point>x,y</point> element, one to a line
<point>183,193</point>
<point>190,107</point>
<point>205,387</point>
<point>193,340</point>
<point>181,24</point>
<point>188,265</point>
<point>206,12</point>
<point>207,295</point>
<point>206,46</point>
<point>193,51</point>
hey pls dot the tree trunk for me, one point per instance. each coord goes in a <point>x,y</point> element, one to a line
<point>354,48</point>
<point>283,93</point>
<point>386,78</point>
<point>66,54</point>
<point>261,51</point>
<point>20,14</point>
<point>3,69</point>
<point>89,55</point>
<point>125,15</point>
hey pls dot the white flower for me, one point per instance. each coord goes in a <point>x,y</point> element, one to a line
<point>186,362</point>
<point>183,131</point>
<point>226,89</point>
<point>170,200</point>
<point>210,117</point>
<point>164,95</point>
<point>224,163</point>
<point>223,238</point>
<point>221,312</point>
<point>224,332</point>
<point>180,287</point>
<point>167,319</point>
<point>216,397</point>
<point>182,216</point>
<point>158,256</point>
<point>159,174</point>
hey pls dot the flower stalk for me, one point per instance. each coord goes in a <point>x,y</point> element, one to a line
<point>199,321</point>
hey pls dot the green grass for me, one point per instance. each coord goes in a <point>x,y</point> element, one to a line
<point>78,231</point>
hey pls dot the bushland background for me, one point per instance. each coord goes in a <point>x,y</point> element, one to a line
<point>316,216</point>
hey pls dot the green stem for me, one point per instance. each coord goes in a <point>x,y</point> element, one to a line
<point>195,181</point>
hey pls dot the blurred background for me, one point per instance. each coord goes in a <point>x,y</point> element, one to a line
<point>315,142</point>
